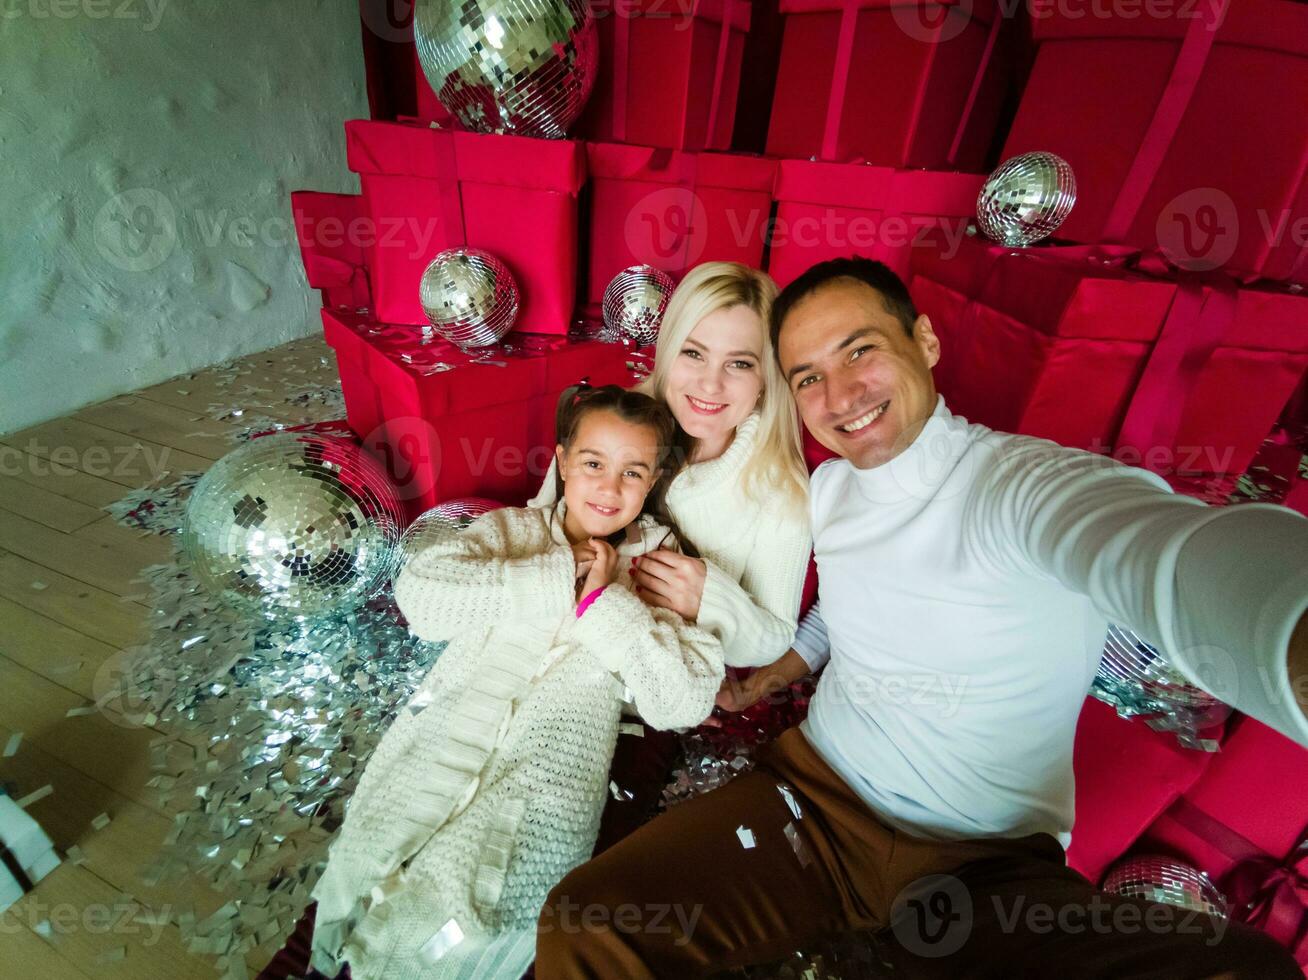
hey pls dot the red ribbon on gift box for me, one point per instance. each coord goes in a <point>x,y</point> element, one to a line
<point>1264,891</point>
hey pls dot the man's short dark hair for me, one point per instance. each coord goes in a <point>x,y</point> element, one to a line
<point>878,275</point>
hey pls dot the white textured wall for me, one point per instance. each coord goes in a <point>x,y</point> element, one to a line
<point>148,149</point>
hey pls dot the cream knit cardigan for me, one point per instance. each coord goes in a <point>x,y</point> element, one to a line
<point>489,786</point>
<point>756,552</point>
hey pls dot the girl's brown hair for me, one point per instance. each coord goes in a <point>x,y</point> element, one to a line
<point>635,408</point>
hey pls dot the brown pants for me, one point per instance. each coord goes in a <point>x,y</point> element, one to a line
<point>686,896</point>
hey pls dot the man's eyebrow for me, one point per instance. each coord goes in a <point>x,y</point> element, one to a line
<point>863,332</point>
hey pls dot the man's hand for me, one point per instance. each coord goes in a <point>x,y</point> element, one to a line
<point>671,580</point>
<point>736,695</point>
<point>1297,663</point>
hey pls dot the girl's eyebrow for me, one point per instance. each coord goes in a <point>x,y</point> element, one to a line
<point>636,462</point>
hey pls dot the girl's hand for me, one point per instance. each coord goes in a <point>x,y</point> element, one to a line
<point>583,552</point>
<point>671,580</point>
<point>604,568</point>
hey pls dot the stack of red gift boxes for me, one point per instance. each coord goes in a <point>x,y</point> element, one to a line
<point>1163,324</point>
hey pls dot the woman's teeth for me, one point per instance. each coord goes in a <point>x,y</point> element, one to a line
<point>866,420</point>
<point>706,406</point>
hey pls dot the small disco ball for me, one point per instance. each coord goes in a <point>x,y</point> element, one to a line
<point>1026,199</point>
<point>509,66</point>
<point>1135,671</point>
<point>1161,879</point>
<point>432,525</point>
<point>294,523</point>
<point>469,296</point>
<point>634,303</point>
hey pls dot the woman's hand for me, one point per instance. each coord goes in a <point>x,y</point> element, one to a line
<point>603,569</point>
<point>671,580</point>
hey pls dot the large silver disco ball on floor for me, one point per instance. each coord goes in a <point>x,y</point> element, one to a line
<point>294,523</point>
<point>509,66</point>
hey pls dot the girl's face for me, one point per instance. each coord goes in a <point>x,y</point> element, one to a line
<point>607,473</point>
<point>717,377</point>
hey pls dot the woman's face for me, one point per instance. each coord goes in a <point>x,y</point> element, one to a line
<point>606,474</point>
<point>717,376</point>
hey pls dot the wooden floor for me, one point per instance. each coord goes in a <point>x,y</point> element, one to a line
<point>68,608</point>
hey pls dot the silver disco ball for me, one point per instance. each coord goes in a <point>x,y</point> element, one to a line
<point>509,66</point>
<point>1136,671</point>
<point>1026,199</point>
<point>294,523</point>
<point>1161,879</point>
<point>470,297</point>
<point>633,304</point>
<point>431,526</point>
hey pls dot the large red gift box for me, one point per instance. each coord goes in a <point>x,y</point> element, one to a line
<point>669,72</point>
<point>673,209</point>
<point>893,82</point>
<point>1180,375</point>
<point>449,423</point>
<point>428,189</point>
<point>1182,136</point>
<point>830,210</point>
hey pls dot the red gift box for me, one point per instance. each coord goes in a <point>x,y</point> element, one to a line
<point>893,82</point>
<point>669,74</point>
<point>327,228</point>
<point>1179,134</point>
<point>1182,376</point>
<point>1254,852</point>
<point>673,209</point>
<point>448,423</point>
<point>829,210</point>
<point>1126,775</point>
<point>428,189</point>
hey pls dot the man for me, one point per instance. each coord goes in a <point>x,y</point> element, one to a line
<point>967,578</point>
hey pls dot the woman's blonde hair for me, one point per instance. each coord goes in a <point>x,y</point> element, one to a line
<point>777,464</point>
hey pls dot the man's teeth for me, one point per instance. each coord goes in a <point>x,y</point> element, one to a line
<point>866,420</point>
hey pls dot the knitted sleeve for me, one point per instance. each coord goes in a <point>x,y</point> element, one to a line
<point>1217,589</point>
<point>674,669</point>
<point>503,567</point>
<point>755,617</point>
<point>545,496</point>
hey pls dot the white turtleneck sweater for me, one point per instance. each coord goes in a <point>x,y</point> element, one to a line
<point>756,552</point>
<point>965,589</point>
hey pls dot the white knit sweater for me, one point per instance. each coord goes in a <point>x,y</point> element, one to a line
<point>756,552</point>
<point>489,786</point>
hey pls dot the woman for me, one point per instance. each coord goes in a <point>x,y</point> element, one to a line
<point>741,501</point>
<point>742,498</point>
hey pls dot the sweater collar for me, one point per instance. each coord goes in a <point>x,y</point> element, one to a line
<point>711,472</point>
<point>919,470</point>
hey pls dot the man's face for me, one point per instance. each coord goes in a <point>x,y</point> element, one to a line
<point>863,386</point>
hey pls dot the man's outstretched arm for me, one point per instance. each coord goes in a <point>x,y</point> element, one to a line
<point>1221,591</point>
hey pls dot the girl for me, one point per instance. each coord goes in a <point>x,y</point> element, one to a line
<point>488,787</point>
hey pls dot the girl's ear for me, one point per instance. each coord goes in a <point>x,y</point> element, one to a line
<point>558,455</point>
